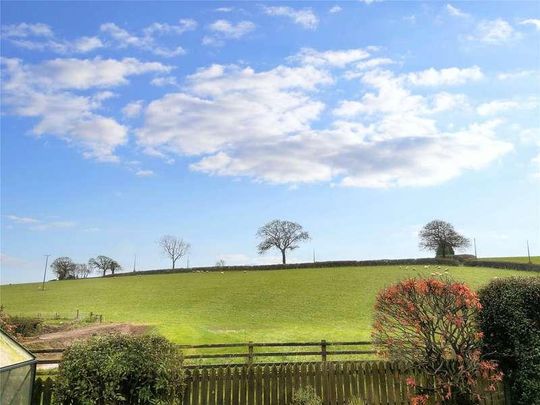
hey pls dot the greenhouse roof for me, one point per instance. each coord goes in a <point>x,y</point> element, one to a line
<point>11,352</point>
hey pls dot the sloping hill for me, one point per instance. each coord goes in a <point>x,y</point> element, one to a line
<point>282,305</point>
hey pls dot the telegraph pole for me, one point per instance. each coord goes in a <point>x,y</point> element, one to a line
<point>528,252</point>
<point>313,255</point>
<point>134,263</point>
<point>45,272</point>
<point>475,255</point>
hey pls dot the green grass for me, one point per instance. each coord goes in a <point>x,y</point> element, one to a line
<point>520,259</point>
<point>281,305</point>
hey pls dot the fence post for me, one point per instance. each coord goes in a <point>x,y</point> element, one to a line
<point>250,353</point>
<point>323,350</point>
<point>77,315</point>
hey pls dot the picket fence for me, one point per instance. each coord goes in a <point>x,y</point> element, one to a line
<point>369,382</point>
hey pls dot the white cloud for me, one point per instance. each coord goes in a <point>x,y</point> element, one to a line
<point>411,19</point>
<point>497,107</point>
<point>46,91</point>
<point>183,25</point>
<point>133,109</point>
<point>87,44</point>
<point>231,30</point>
<point>162,81</point>
<point>535,22</point>
<point>147,41</point>
<point>360,68</point>
<point>262,125</point>
<point>423,161</point>
<point>368,2</point>
<point>444,101</point>
<point>40,37</point>
<point>303,17</point>
<point>244,106</point>
<point>335,9</point>
<point>81,74</point>
<point>338,58</point>
<point>223,29</point>
<point>144,173</point>
<point>456,12</point>
<point>24,30</point>
<point>445,77</point>
<point>38,224</point>
<point>494,32</point>
<point>22,220</point>
<point>535,163</point>
<point>81,45</point>
<point>224,9</point>
<point>518,74</point>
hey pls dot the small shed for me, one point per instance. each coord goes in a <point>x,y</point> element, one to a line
<point>17,372</point>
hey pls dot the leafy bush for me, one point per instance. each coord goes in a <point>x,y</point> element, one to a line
<point>306,396</point>
<point>510,320</point>
<point>5,323</point>
<point>120,369</point>
<point>431,325</point>
<point>20,326</point>
<point>26,326</point>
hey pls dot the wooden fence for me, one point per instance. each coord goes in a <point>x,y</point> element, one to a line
<point>252,352</point>
<point>370,382</point>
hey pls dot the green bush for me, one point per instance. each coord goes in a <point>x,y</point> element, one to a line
<point>510,321</point>
<point>120,369</point>
<point>20,326</point>
<point>306,396</point>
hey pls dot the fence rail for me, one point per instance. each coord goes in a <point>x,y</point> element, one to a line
<point>337,383</point>
<point>250,354</point>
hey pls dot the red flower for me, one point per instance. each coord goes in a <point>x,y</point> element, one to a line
<point>410,381</point>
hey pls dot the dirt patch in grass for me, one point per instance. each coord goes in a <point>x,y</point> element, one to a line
<point>63,337</point>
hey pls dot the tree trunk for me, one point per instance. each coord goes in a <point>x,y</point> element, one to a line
<point>104,271</point>
<point>283,256</point>
<point>173,263</point>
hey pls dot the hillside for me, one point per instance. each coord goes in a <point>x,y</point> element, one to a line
<point>282,305</point>
<point>520,259</point>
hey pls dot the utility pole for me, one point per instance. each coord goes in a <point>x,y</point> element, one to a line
<point>475,255</point>
<point>187,265</point>
<point>313,255</point>
<point>528,252</point>
<point>45,272</point>
<point>134,263</point>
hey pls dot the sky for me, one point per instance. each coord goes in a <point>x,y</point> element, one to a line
<point>362,121</point>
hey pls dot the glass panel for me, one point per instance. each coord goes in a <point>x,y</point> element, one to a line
<point>16,385</point>
<point>11,352</point>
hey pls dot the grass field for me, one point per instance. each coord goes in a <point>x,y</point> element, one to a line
<point>520,259</point>
<point>280,305</point>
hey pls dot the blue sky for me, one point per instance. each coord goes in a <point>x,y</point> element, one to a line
<point>362,121</point>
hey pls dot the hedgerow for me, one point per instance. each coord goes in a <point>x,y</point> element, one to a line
<point>510,320</point>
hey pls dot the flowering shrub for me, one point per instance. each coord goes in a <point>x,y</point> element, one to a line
<point>431,325</point>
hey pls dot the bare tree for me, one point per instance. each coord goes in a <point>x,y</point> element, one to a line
<point>220,263</point>
<point>104,264</point>
<point>282,235</point>
<point>441,237</point>
<point>64,268</point>
<point>174,248</point>
<point>82,270</point>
